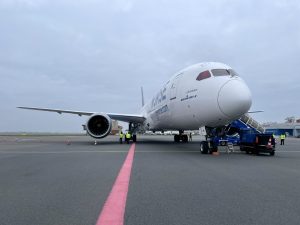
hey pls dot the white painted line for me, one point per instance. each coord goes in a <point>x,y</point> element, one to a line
<point>88,151</point>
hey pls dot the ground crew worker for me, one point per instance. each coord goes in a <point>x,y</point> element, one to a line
<point>282,137</point>
<point>190,136</point>
<point>128,136</point>
<point>121,137</point>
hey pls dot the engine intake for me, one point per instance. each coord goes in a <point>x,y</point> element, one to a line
<point>98,125</point>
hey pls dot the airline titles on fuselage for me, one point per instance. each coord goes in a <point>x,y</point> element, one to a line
<point>160,97</point>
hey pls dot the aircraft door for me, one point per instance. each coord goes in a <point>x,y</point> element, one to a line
<point>173,89</point>
<point>173,99</point>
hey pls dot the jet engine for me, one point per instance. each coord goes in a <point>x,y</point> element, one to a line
<point>98,125</point>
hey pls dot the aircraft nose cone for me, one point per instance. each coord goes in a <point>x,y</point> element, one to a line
<point>234,98</point>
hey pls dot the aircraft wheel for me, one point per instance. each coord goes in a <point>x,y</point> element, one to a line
<point>185,138</point>
<point>204,147</point>
<point>176,138</point>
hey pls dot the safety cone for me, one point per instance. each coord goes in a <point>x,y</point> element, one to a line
<point>269,143</point>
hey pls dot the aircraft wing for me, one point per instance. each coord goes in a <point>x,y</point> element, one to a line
<point>135,118</point>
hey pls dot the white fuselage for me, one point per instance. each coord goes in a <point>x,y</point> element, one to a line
<point>185,103</point>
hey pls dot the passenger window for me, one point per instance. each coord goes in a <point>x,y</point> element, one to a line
<point>220,72</point>
<point>203,75</point>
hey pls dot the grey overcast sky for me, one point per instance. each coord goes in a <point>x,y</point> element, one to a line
<point>94,55</point>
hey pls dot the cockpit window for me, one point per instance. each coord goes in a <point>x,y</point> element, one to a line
<point>220,72</point>
<point>203,75</point>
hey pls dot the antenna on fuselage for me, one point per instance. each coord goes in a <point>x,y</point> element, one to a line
<point>142,91</point>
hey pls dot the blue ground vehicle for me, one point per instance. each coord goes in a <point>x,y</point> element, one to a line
<point>246,132</point>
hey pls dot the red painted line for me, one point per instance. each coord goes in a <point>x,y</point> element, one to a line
<point>114,208</point>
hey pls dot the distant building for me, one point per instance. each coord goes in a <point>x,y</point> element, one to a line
<point>291,129</point>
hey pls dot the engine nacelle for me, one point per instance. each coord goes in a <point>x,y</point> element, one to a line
<point>98,125</point>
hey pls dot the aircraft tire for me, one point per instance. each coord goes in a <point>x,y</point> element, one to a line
<point>204,147</point>
<point>176,138</point>
<point>185,138</point>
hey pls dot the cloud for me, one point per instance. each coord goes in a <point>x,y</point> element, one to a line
<point>95,55</point>
<point>21,4</point>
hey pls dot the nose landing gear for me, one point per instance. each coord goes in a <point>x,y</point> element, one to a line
<point>209,146</point>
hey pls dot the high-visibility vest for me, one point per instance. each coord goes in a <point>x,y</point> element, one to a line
<point>121,135</point>
<point>282,136</point>
<point>128,135</point>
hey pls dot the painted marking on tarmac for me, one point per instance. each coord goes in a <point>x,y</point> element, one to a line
<point>286,151</point>
<point>91,151</point>
<point>121,151</point>
<point>114,208</point>
<point>60,152</point>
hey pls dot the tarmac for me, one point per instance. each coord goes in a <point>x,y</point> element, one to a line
<point>66,180</point>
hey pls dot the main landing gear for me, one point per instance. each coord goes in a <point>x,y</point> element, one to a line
<point>181,137</point>
<point>132,127</point>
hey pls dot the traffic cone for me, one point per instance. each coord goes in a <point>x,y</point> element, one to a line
<point>269,143</point>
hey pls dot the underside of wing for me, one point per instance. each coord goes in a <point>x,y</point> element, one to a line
<point>127,117</point>
<point>134,118</point>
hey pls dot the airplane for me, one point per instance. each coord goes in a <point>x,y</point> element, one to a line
<point>208,94</point>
